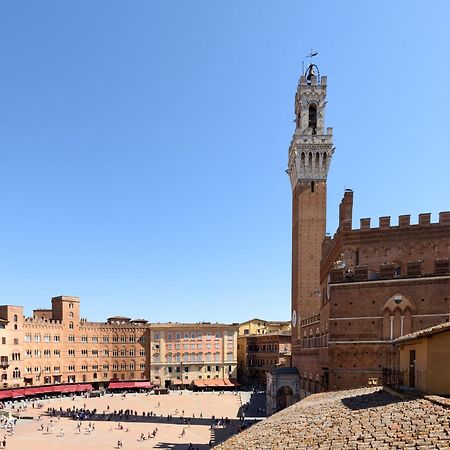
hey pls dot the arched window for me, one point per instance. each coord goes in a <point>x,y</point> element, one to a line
<point>312,122</point>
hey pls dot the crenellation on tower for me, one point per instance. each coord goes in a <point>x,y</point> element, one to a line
<point>311,146</point>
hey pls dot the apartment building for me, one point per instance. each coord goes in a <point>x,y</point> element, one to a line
<point>182,354</point>
<point>57,346</point>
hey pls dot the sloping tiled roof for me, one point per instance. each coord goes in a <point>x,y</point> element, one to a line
<point>423,333</point>
<point>357,419</point>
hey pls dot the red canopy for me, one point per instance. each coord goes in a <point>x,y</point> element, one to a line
<point>6,393</point>
<point>16,393</point>
<point>31,391</point>
<point>130,385</point>
<point>84,387</point>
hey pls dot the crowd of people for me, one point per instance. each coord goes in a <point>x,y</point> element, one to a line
<point>50,422</point>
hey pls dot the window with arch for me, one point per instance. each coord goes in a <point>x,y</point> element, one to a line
<point>312,117</point>
<point>71,325</point>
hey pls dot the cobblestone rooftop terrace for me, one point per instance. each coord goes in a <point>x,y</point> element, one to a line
<point>355,419</point>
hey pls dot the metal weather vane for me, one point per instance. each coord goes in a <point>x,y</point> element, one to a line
<point>311,54</point>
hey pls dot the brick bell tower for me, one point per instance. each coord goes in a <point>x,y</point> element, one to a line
<point>310,155</point>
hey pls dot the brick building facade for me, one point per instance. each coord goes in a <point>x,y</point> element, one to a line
<point>261,353</point>
<point>353,294</point>
<point>57,346</point>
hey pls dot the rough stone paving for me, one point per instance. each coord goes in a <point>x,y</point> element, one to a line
<point>354,419</point>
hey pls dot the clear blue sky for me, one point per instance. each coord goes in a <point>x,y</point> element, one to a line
<point>143,144</point>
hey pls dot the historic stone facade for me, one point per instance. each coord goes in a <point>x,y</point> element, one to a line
<point>377,283</point>
<point>353,294</point>
<point>182,353</point>
<point>261,353</point>
<point>56,346</point>
<point>310,154</point>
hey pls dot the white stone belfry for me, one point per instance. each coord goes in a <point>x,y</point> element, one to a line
<point>311,147</point>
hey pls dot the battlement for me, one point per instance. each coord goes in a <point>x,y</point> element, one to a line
<point>389,271</point>
<point>41,321</point>
<point>315,81</point>
<point>404,221</point>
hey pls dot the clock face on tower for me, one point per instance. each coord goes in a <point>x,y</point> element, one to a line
<point>294,318</point>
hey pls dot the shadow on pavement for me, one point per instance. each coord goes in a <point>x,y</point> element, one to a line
<point>372,400</point>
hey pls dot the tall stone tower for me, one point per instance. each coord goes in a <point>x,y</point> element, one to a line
<point>310,155</point>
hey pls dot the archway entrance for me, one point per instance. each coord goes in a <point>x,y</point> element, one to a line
<point>285,397</point>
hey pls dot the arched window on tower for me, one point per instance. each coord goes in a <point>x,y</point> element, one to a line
<point>312,122</point>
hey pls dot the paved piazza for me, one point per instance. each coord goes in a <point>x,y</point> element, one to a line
<point>28,434</point>
<point>356,419</point>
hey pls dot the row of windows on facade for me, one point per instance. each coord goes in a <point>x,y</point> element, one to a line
<point>15,341</point>
<point>85,368</point>
<point>71,379</point>
<point>309,377</point>
<point>263,362</point>
<point>193,335</point>
<point>217,346</point>
<point>314,342</point>
<point>84,339</point>
<point>192,357</point>
<point>84,352</point>
<point>185,369</point>
<point>272,348</point>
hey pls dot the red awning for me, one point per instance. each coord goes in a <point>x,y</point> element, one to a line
<point>130,385</point>
<point>143,384</point>
<point>31,391</point>
<point>84,387</point>
<point>16,393</point>
<point>6,393</point>
<point>65,388</point>
<point>46,389</point>
<point>121,385</point>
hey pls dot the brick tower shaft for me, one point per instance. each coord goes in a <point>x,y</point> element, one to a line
<point>310,154</point>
